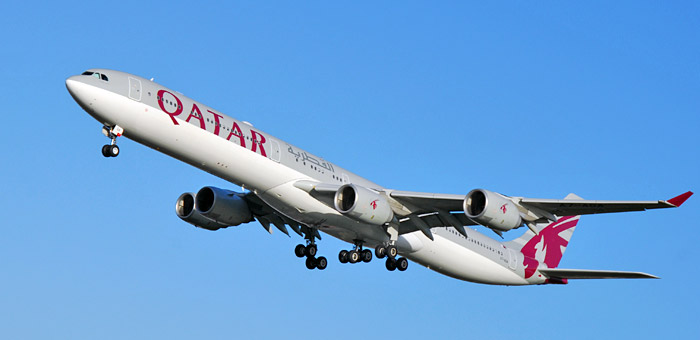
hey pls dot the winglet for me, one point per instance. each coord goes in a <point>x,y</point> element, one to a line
<point>680,199</point>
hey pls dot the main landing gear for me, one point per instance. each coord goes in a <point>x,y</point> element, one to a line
<point>309,250</point>
<point>112,132</point>
<point>390,252</point>
<point>355,255</point>
<point>358,254</point>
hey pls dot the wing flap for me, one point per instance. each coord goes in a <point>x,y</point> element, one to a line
<point>558,273</point>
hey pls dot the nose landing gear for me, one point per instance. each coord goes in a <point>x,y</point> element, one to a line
<point>112,132</point>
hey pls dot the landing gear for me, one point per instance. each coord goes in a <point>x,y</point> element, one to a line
<point>309,250</point>
<point>390,252</point>
<point>316,263</point>
<point>112,132</point>
<point>392,264</point>
<point>381,251</point>
<point>366,256</point>
<point>358,254</point>
<point>110,151</point>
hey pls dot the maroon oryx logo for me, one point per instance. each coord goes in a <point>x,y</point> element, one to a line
<point>374,204</point>
<point>503,208</point>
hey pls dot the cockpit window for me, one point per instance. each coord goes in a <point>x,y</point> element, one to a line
<point>96,75</point>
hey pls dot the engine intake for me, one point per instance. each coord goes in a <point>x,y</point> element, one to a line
<point>363,204</point>
<point>184,208</point>
<point>492,210</point>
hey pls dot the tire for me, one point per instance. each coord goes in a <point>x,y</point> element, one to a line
<point>343,256</point>
<point>401,264</point>
<point>105,151</point>
<point>380,251</point>
<point>113,151</point>
<point>299,250</point>
<point>366,256</point>
<point>311,250</point>
<point>390,264</point>
<point>310,263</point>
<point>321,263</point>
<point>391,251</point>
<point>353,256</point>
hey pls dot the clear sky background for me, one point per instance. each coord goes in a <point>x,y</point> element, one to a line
<point>528,99</point>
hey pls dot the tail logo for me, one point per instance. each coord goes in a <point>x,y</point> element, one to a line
<point>547,246</point>
<point>374,204</point>
<point>504,209</point>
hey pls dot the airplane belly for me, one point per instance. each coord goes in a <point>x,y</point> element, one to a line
<point>451,259</point>
<point>302,207</point>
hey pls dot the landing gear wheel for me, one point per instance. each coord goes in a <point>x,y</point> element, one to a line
<point>110,150</point>
<point>310,263</point>
<point>321,263</point>
<point>343,256</point>
<point>390,264</point>
<point>311,250</point>
<point>299,250</point>
<point>366,255</point>
<point>113,150</point>
<point>380,251</point>
<point>353,256</point>
<point>105,150</point>
<point>391,251</point>
<point>401,264</point>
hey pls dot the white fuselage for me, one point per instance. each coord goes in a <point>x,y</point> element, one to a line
<point>233,150</point>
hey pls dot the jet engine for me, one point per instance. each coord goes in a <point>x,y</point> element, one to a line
<point>185,210</point>
<point>213,208</point>
<point>492,210</point>
<point>363,204</point>
<point>223,206</point>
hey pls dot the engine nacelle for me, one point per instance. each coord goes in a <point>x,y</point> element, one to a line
<point>185,210</point>
<point>492,210</point>
<point>363,204</point>
<point>223,206</point>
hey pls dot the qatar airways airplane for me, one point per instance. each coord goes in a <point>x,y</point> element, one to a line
<point>287,186</point>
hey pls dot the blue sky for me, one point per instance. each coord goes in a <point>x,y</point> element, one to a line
<point>538,100</point>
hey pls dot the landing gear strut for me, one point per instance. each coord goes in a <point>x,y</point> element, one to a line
<point>112,132</point>
<point>309,250</point>
<point>357,254</point>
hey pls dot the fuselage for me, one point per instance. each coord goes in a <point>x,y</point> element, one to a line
<point>236,151</point>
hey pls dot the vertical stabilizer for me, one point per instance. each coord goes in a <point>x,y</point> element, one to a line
<point>547,247</point>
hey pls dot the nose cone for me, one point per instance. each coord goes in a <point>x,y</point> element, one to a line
<point>81,93</point>
<point>72,86</point>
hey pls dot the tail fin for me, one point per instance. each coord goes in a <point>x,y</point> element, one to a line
<point>547,247</point>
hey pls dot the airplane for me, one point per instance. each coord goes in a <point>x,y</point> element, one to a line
<point>286,186</point>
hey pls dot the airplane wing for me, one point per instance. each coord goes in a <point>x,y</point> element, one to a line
<point>566,207</point>
<point>557,273</point>
<point>423,211</point>
<point>449,209</point>
<point>587,207</point>
<point>424,202</point>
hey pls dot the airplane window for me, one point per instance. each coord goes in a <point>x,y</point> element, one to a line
<point>96,75</point>
<point>104,77</point>
<point>87,73</point>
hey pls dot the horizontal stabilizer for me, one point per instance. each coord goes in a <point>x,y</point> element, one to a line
<point>593,274</point>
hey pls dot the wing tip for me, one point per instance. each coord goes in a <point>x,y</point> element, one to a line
<point>680,199</point>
